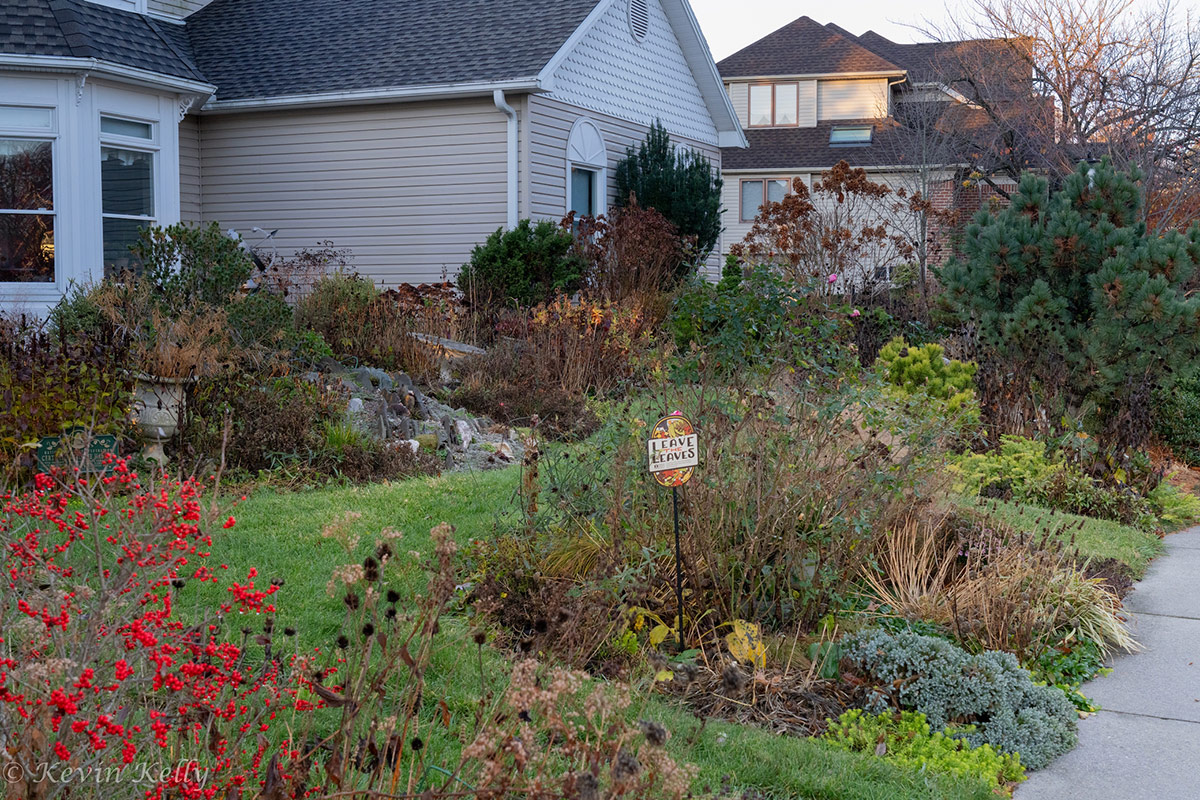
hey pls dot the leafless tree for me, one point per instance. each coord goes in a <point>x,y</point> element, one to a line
<point>1108,79</point>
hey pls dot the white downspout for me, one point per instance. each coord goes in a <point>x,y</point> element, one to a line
<point>511,113</point>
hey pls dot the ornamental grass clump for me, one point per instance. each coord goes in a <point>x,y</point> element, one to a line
<point>984,699</point>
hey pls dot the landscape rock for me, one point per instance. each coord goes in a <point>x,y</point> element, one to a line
<point>465,433</point>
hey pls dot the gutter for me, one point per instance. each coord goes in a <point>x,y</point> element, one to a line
<point>437,91</point>
<point>896,82</point>
<point>813,76</point>
<point>108,69</point>
<point>511,113</point>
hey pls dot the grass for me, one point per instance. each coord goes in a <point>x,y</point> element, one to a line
<point>1095,538</point>
<point>280,534</point>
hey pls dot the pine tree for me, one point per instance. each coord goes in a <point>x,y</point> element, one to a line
<point>679,183</point>
<point>1076,308</point>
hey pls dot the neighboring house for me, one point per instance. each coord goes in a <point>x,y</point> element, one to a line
<point>810,95</point>
<point>404,131</point>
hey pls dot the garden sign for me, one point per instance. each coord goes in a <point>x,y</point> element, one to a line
<point>674,452</point>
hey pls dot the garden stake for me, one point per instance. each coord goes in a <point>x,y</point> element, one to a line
<point>678,569</point>
<point>674,452</point>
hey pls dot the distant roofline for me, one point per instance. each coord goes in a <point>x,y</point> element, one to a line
<point>899,71</point>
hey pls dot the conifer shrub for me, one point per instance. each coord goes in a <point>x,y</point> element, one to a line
<point>925,370</point>
<point>1177,419</point>
<point>983,699</point>
<point>1078,309</point>
<point>524,266</point>
<point>679,183</point>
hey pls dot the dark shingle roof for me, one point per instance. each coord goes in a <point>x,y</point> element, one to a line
<point>809,148</point>
<point>991,67</point>
<point>803,47</point>
<point>963,130</point>
<point>76,29</point>
<point>266,48</point>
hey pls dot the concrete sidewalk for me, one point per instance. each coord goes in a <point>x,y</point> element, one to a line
<point>1145,743</point>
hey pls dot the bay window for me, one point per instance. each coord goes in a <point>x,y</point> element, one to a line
<point>126,189</point>
<point>26,194</point>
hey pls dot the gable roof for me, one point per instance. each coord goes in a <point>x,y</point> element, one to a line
<point>79,30</point>
<point>271,48</point>
<point>805,47</point>
<point>995,66</point>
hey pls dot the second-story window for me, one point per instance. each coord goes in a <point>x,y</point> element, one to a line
<point>774,105</point>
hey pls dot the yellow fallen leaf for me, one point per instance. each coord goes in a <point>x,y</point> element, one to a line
<point>659,634</point>
<point>746,644</point>
<point>664,675</point>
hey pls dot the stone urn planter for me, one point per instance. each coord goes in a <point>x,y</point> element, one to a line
<point>158,403</point>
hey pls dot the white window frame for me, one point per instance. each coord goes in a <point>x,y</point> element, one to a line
<point>152,146</point>
<point>587,150</point>
<point>50,135</point>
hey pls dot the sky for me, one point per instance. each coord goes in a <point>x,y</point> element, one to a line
<point>730,25</point>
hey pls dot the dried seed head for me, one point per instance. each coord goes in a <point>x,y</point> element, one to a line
<point>480,637</point>
<point>393,596</point>
<point>625,766</point>
<point>656,734</point>
<point>733,679</point>
<point>351,601</point>
<point>371,569</point>
<point>343,642</point>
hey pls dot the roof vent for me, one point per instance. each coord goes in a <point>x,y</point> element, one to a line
<point>639,19</point>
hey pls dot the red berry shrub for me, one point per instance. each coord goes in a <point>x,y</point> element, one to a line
<point>97,674</point>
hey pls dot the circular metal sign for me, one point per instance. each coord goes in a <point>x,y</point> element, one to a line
<point>673,450</point>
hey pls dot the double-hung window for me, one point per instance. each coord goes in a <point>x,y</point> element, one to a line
<point>774,105</point>
<point>128,149</point>
<point>757,192</point>
<point>27,136</point>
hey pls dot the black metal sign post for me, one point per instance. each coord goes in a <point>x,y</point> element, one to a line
<point>674,453</point>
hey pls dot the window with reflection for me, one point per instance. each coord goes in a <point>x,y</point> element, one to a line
<point>126,191</point>
<point>26,210</point>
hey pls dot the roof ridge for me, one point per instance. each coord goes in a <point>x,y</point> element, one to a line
<point>802,41</point>
<point>186,58</point>
<point>74,30</point>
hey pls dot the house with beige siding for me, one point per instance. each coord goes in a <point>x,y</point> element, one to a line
<point>406,132</point>
<point>811,95</point>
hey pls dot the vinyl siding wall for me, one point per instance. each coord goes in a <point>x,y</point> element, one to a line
<point>852,99</point>
<point>176,8</point>
<point>735,229</point>
<point>190,199</point>
<point>409,188</point>
<point>543,180</point>
<point>611,72</point>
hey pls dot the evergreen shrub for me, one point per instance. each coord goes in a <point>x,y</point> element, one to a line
<point>985,699</point>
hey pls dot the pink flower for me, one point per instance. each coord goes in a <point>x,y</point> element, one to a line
<point>833,278</point>
<point>855,313</point>
<point>676,413</point>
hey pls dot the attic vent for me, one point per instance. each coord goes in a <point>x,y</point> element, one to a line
<point>639,19</point>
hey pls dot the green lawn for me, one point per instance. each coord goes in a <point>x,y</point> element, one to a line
<point>280,534</point>
<point>1097,538</point>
